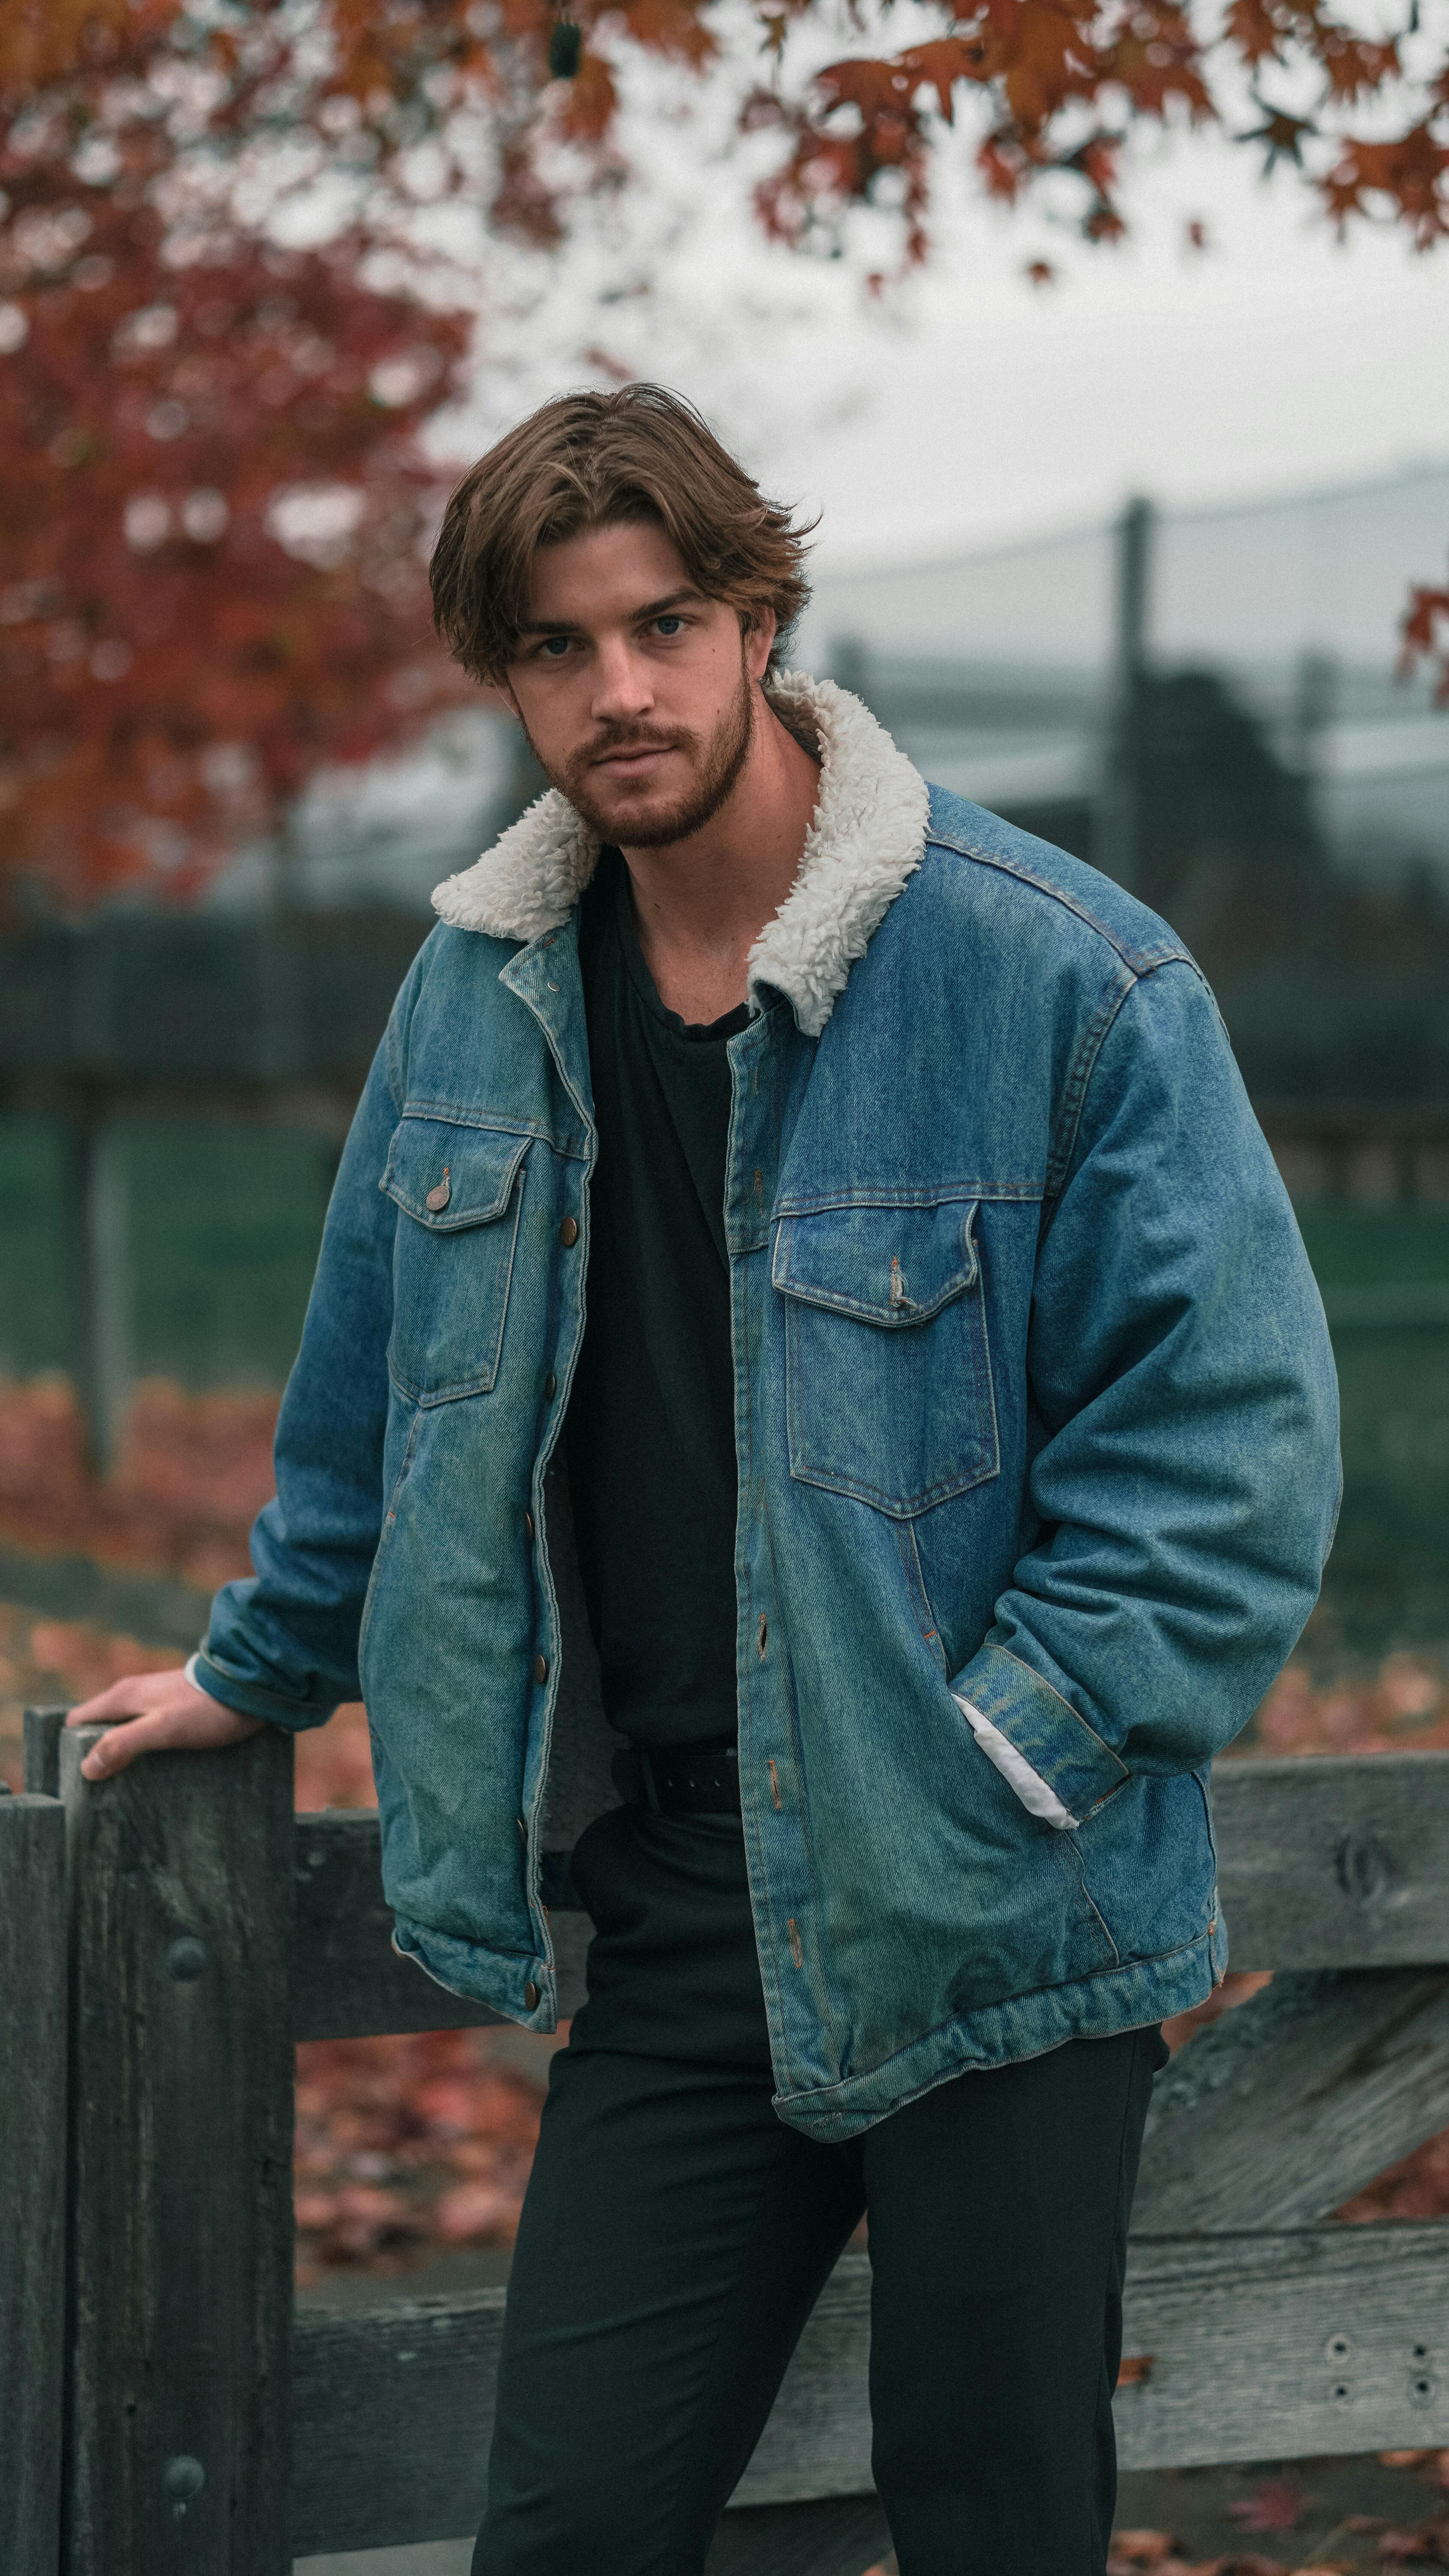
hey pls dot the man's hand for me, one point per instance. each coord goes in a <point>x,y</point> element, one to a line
<point>167,1714</point>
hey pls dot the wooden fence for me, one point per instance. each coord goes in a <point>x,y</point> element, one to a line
<point>165,1937</point>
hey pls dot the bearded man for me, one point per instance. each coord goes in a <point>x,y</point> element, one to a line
<point>860,1197</point>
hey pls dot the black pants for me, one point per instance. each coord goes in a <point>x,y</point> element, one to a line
<point>676,2233</point>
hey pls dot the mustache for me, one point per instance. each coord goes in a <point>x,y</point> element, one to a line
<point>607,746</point>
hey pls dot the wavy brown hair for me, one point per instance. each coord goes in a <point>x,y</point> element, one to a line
<point>601,460</point>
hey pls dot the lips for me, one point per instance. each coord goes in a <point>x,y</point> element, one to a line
<point>626,758</point>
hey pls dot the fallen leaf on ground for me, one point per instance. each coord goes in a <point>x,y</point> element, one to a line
<point>1277,2505</point>
<point>1169,2566</point>
<point>1427,2543</point>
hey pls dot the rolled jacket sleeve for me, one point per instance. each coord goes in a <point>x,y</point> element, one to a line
<point>1185,1476</point>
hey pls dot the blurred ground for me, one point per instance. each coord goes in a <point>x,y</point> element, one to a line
<point>193,1472</point>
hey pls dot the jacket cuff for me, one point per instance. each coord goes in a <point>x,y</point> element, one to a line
<point>1056,1764</point>
<point>250,1699</point>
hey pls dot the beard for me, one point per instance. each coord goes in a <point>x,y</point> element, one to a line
<point>628,813</point>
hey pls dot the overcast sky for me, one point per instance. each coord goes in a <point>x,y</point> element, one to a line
<point>970,405</point>
<point>988,407</point>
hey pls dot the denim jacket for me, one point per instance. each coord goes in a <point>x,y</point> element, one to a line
<point>1035,1423</point>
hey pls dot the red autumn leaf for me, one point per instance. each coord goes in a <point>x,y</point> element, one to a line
<point>1143,2548</point>
<point>1408,175</point>
<point>1257,30</point>
<point>1277,2505</point>
<point>1157,59</point>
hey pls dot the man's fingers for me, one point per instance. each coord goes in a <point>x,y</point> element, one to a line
<point>180,1719</point>
<point>133,1696</point>
<point>121,1745</point>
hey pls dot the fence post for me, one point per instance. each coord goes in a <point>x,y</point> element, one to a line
<point>32,2180</point>
<point>180,1896</point>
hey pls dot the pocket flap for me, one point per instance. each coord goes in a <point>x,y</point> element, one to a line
<point>887,1265</point>
<point>448,1176</point>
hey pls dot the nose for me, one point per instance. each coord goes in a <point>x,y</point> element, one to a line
<point>623,691</point>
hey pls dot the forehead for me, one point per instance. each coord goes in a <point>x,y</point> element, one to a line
<point>604,574</point>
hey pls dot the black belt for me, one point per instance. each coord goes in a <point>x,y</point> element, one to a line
<point>680,1779</point>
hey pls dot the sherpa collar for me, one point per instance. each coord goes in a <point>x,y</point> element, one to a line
<point>867,838</point>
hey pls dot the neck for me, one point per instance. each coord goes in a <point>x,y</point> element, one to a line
<point>701,903</point>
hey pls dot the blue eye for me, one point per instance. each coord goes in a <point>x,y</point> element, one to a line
<point>555,646</point>
<point>669,625</point>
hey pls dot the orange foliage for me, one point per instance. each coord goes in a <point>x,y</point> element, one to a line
<point>1047,64</point>
<point>172,672</point>
<point>193,1472</point>
<point>408,2143</point>
<point>1403,1704</point>
<point>402,71</point>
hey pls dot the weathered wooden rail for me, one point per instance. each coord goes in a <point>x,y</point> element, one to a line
<point>163,2411</point>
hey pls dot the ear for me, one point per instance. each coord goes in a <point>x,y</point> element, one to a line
<point>759,640</point>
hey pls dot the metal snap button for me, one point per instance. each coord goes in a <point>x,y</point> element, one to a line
<point>528,1523</point>
<point>550,1387</point>
<point>439,1195</point>
<point>540,1668</point>
<point>530,1995</point>
<point>568,1233</point>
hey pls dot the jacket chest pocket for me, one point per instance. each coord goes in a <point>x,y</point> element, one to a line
<point>460,1193</point>
<point>888,1374</point>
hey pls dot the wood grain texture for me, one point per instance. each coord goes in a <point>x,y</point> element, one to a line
<point>350,1982</point>
<point>32,2179</point>
<point>392,2408</point>
<point>42,1751</point>
<point>1329,2339</point>
<point>1316,2341</point>
<point>1279,2111</point>
<point>1335,1861</point>
<point>181,2204</point>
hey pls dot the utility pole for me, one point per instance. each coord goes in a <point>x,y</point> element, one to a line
<point>1117,838</point>
<point>104,1359</point>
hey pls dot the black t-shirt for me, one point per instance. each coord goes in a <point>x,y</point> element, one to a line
<point>650,1431</point>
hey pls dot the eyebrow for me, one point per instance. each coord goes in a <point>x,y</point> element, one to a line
<point>638,616</point>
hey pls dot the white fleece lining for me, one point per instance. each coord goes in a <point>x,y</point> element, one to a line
<point>1037,1798</point>
<point>868,836</point>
